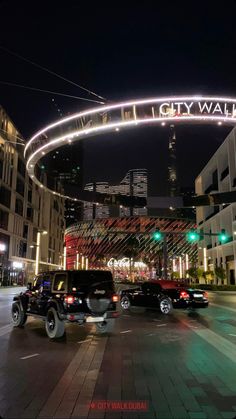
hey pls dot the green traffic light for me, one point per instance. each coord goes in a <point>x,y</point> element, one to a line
<point>157,235</point>
<point>223,237</point>
<point>192,236</point>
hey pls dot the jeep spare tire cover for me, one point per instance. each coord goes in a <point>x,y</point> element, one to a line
<point>99,299</point>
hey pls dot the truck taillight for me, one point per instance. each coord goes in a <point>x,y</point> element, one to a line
<point>184,294</point>
<point>115,298</point>
<point>206,294</point>
<point>69,299</point>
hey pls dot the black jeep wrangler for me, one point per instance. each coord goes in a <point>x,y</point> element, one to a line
<point>68,296</point>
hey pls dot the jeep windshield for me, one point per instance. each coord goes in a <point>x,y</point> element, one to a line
<point>84,279</point>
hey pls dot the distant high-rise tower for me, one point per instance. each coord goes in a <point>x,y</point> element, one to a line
<point>172,169</point>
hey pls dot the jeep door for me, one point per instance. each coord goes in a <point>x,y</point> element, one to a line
<point>34,295</point>
<point>44,294</point>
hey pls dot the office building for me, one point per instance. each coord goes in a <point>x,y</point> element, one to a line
<point>219,175</point>
<point>25,210</point>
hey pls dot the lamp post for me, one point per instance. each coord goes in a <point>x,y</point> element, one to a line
<point>64,258</point>
<point>2,250</point>
<point>39,233</point>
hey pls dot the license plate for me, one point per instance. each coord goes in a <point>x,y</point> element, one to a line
<point>91,319</point>
<point>198,295</point>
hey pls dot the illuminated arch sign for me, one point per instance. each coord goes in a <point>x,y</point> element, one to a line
<point>177,109</point>
<point>200,108</point>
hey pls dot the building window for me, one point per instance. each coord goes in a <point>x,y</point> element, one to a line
<point>29,196</point>
<point>3,219</point>
<point>30,213</point>
<point>22,249</point>
<point>5,197</point>
<point>25,231</point>
<point>35,234</point>
<point>21,167</point>
<point>20,186</point>
<point>19,207</point>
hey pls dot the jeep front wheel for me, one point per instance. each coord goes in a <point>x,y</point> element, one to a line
<point>105,327</point>
<point>18,315</point>
<point>55,327</point>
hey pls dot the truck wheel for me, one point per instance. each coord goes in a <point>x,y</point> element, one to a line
<point>18,315</point>
<point>55,327</point>
<point>166,305</point>
<point>105,327</point>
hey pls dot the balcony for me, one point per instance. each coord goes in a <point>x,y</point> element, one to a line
<point>212,187</point>
<point>224,173</point>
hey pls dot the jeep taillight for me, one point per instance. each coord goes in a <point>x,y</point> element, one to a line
<point>184,294</point>
<point>115,298</point>
<point>69,299</point>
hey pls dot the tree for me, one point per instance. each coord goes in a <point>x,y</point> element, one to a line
<point>131,251</point>
<point>195,273</point>
<point>220,274</point>
<point>192,272</point>
<point>175,275</point>
<point>208,275</point>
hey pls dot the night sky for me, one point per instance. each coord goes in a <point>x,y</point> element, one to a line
<point>120,51</point>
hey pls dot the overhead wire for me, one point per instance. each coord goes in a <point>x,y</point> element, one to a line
<point>51,72</point>
<point>49,91</point>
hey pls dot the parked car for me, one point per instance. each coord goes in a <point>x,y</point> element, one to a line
<point>68,296</point>
<point>163,295</point>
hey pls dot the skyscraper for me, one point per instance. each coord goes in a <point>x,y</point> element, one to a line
<point>133,184</point>
<point>173,186</point>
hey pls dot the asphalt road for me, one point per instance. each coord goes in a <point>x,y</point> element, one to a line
<point>152,366</point>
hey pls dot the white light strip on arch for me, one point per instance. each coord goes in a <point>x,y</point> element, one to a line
<point>194,98</point>
<point>87,131</point>
<point>173,110</point>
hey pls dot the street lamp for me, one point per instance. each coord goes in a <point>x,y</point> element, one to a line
<point>39,233</point>
<point>2,250</point>
<point>64,258</point>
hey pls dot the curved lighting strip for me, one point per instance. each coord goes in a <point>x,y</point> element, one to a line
<point>79,133</point>
<point>129,103</point>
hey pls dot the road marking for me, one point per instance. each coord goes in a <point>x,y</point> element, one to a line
<point>160,325</point>
<point>223,345</point>
<point>29,356</point>
<point>5,326</point>
<point>225,307</point>
<point>5,329</point>
<point>83,341</point>
<point>156,320</point>
<point>232,334</point>
<point>126,331</point>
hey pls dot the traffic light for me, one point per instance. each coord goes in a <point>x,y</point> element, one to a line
<point>192,236</point>
<point>223,237</point>
<point>157,235</point>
